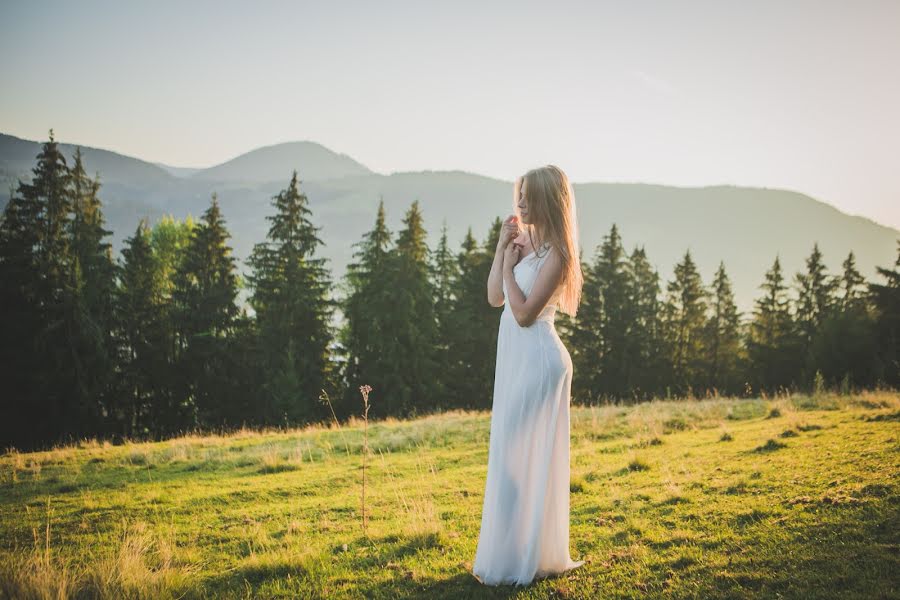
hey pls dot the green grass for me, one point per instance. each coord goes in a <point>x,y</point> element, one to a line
<point>696,498</point>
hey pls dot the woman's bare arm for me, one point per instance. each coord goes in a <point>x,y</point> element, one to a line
<point>526,310</point>
<point>495,280</point>
<point>508,232</point>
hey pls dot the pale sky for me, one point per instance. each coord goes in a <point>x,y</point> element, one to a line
<point>801,95</point>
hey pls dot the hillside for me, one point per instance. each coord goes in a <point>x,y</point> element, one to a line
<point>17,159</point>
<point>791,497</point>
<point>744,227</point>
<point>270,163</point>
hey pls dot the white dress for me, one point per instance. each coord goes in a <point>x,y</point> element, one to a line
<point>525,517</point>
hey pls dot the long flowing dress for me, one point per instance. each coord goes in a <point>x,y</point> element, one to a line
<point>525,517</point>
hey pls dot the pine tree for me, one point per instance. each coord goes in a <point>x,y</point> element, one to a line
<point>647,365</point>
<point>723,343</point>
<point>90,309</point>
<point>290,294</point>
<point>771,344</point>
<point>444,276</point>
<point>886,300</point>
<point>581,335</point>
<point>845,346</point>
<point>88,235</point>
<point>47,200</point>
<point>205,281</point>
<point>474,324</point>
<point>415,328</point>
<point>20,363</point>
<point>815,302</point>
<point>49,189</point>
<point>144,404</point>
<point>614,328</point>
<point>368,320</point>
<point>851,285</point>
<point>204,296</point>
<point>684,319</point>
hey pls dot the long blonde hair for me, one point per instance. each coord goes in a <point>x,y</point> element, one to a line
<point>551,202</point>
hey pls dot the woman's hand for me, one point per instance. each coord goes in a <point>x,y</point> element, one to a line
<point>511,256</point>
<point>508,232</point>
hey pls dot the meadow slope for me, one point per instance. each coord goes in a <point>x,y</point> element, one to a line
<point>787,497</point>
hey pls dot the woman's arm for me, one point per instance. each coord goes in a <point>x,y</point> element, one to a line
<point>508,232</point>
<point>495,280</point>
<point>526,310</point>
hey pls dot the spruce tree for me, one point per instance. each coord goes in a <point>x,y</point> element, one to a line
<point>815,302</point>
<point>368,320</point>
<point>415,326</point>
<point>58,280</point>
<point>647,365</point>
<point>771,345</point>
<point>845,346</point>
<point>582,336</point>
<point>723,341</point>
<point>90,248</point>
<point>47,198</point>
<point>291,296</point>
<point>92,285</point>
<point>21,366</point>
<point>143,404</point>
<point>474,325</point>
<point>49,190</point>
<point>444,276</point>
<point>614,328</point>
<point>205,289</point>
<point>684,318</point>
<point>886,300</point>
<point>851,285</point>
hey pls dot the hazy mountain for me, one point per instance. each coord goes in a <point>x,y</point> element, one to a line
<point>178,171</point>
<point>17,159</point>
<point>270,163</point>
<point>744,227</point>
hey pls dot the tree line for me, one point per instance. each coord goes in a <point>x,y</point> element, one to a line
<point>633,340</point>
<point>156,342</point>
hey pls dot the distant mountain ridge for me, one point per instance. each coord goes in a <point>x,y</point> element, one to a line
<point>270,163</point>
<point>744,227</point>
<point>262,165</point>
<point>177,171</point>
<point>17,157</point>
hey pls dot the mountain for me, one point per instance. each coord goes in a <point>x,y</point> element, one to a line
<point>270,163</point>
<point>744,227</point>
<point>17,159</point>
<point>177,171</point>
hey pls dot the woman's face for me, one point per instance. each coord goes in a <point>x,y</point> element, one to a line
<point>523,204</point>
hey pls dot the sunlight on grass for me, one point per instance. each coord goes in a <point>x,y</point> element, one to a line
<point>719,497</point>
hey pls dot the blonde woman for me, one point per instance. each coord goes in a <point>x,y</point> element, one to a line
<point>525,517</point>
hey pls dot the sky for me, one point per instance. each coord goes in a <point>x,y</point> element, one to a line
<point>800,95</point>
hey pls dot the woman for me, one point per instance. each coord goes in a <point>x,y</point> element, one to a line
<point>525,518</point>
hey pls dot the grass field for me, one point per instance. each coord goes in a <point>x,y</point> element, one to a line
<point>787,497</point>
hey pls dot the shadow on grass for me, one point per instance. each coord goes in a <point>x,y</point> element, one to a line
<point>894,416</point>
<point>847,552</point>
<point>822,550</point>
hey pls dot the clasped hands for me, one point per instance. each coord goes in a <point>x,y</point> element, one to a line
<point>509,235</point>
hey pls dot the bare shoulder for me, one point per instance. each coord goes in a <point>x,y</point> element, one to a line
<point>553,260</point>
<point>552,268</point>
